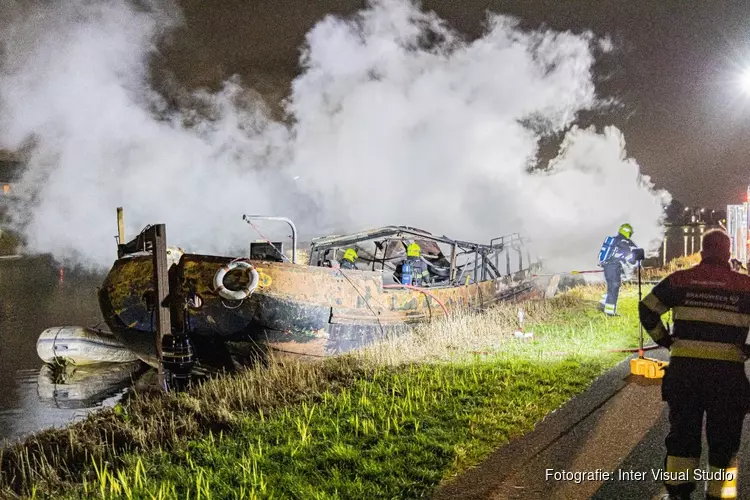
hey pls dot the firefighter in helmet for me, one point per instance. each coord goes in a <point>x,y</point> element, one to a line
<point>419,275</point>
<point>711,312</point>
<point>616,257</point>
<point>349,260</point>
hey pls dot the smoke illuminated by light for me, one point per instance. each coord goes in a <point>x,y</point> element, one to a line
<point>386,129</point>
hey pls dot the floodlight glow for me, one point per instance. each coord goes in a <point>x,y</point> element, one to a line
<point>744,81</point>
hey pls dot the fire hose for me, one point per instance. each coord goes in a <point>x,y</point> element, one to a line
<point>418,289</point>
<point>636,349</point>
<point>639,350</point>
<point>570,272</point>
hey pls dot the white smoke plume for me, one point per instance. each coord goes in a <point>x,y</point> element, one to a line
<point>386,129</point>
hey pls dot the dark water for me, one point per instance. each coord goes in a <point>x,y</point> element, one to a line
<point>32,397</point>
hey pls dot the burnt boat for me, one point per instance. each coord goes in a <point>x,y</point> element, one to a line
<point>314,308</point>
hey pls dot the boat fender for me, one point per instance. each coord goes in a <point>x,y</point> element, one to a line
<point>236,294</point>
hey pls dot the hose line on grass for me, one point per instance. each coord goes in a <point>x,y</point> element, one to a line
<point>636,349</point>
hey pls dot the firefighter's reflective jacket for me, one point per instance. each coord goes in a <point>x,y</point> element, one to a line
<point>710,306</point>
<point>347,264</point>
<point>419,274</point>
<point>621,252</point>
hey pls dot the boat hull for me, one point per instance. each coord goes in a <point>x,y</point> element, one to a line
<point>314,311</point>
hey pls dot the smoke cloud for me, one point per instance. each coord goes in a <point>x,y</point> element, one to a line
<point>394,119</point>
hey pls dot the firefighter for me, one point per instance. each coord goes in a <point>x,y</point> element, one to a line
<point>615,256</point>
<point>350,257</point>
<point>419,273</point>
<point>710,305</point>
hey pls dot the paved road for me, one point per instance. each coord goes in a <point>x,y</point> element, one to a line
<point>618,426</point>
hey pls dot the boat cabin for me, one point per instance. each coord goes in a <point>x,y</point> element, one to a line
<point>449,262</point>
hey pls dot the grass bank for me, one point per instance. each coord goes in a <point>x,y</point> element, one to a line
<point>391,421</point>
<point>659,273</point>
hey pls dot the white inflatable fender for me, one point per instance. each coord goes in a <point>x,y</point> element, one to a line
<point>243,293</point>
<point>81,346</point>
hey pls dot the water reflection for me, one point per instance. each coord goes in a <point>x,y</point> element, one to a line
<point>32,299</point>
<point>77,387</point>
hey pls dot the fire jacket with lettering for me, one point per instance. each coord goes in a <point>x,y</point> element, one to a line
<point>710,306</point>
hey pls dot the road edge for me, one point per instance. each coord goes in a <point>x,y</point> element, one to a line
<point>511,457</point>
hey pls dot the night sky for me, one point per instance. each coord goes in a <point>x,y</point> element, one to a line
<point>684,119</point>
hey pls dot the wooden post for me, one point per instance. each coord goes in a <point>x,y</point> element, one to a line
<point>120,227</point>
<point>158,236</point>
<point>120,232</point>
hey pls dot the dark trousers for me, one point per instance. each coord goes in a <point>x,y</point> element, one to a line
<point>613,276</point>
<point>692,388</point>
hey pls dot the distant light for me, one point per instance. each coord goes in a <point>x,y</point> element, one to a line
<point>744,81</point>
<point>297,177</point>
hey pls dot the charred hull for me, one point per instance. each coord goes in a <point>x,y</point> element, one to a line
<point>315,309</point>
<point>307,310</point>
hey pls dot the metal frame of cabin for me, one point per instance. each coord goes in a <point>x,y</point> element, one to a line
<point>484,265</point>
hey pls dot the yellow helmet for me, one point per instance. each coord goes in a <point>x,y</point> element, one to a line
<point>350,254</point>
<point>626,230</point>
<point>413,250</point>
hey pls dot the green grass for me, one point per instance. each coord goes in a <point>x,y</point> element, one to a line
<point>360,427</point>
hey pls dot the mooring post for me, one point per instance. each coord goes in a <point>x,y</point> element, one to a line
<point>120,231</point>
<point>158,236</point>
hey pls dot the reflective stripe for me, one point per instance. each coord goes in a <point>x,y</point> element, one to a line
<point>658,332</point>
<point>676,465</point>
<point>729,492</point>
<point>652,302</point>
<point>723,487</point>
<point>707,350</point>
<point>609,308</point>
<point>706,315</point>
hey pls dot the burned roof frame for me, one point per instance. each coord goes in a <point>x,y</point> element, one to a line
<point>483,253</point>
<point>405,232</point>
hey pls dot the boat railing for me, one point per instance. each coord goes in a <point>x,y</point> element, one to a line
<point>250,218</point>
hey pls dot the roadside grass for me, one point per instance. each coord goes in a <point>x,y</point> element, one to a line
<point>392,421</point>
